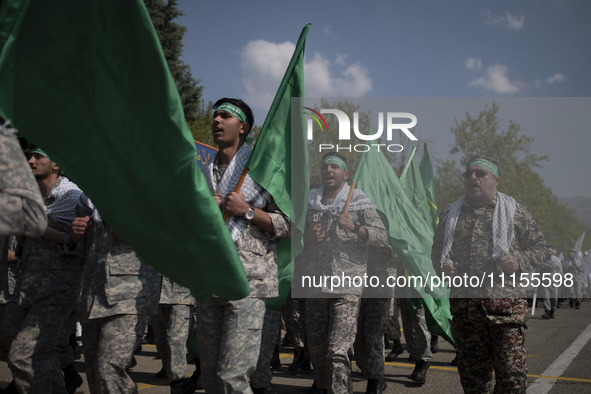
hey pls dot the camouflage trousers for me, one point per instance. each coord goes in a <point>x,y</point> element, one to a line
<point>229,336</point>
<point>109,344</point>
<point>393,327</point>
<point>331,324</point>
<point>369,341</point>
<point>33,334</point>
<point>171,331</point>
<point>416,333</point>
<point>261,378</point>
<point>484,347</point>
<point>294,317</point>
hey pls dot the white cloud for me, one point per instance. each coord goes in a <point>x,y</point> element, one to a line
<point>264,63</point>
<point>496,80</point>
<point>508,21</point>
<point>473,63</point>
<point>554,79</point>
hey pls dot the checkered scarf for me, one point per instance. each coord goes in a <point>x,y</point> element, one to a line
<point>502,226</point>
<point>253,193</point>
<point>359,201</point>
<point>60,203</point>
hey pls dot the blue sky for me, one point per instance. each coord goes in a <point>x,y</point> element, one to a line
<point>529,48</point>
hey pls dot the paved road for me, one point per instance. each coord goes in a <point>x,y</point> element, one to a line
<point>559,360</point>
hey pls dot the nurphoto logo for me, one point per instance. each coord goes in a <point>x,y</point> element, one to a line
<point>394,122</point>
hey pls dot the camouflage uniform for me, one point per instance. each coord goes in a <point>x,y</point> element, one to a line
<point>393,327</point>
<point>261,378</point>
<point>119,295</point>
<point>331,323</point>
<point>171,327</point>
<point>8,272</point>
<point>489,326</point>
<point>48,288</point>
<point>21,211</point>
<point>229,331</point>
<point>373,316</point>
<point>416,333</point>
<point>21,206</point>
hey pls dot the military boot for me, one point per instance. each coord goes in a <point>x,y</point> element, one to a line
<point>72,379</point>
<point>419,374</point>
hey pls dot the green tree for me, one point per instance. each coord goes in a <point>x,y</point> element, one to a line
<point>481,135</point>
<point>171,35</point>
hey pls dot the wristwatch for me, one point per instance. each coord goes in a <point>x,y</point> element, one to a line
<point>357,227</point>
<point>249,214</point>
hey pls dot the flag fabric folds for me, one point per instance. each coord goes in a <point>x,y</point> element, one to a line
<point>409,234</point>
<point>270,164</point>
<point>87,81</point>
<point>426,169</point>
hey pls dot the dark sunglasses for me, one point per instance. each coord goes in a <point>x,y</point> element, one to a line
<point>478,173</point>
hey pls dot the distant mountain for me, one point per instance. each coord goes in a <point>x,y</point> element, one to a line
<point>581,206</point>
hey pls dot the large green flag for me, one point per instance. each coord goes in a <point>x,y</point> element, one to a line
<point>409,234</point>
<point>87,81</point>
<point>270,164</point>
<point>426,169</point>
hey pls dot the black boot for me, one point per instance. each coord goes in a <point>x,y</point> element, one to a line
<point>301,362</point>
<point>72,379</point>
<point>396,350</point>
<point>419,374</point>
<point>375,386</point>
<point>546,315</point>
<point>182,386</point>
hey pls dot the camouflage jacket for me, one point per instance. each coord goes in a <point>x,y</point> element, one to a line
<point>496,300</point>
<point>341,252</point>
<point>116,280</point>
<point>48,272</point>
<point>173,293</point>
<point>21,206</point>
<point>258,253</point>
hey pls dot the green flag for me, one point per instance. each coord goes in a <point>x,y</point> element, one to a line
<point>409,235</point>
<point>87,81</point>
<point>412,182</point>
<point>426,169</point>
<point>270,164</point>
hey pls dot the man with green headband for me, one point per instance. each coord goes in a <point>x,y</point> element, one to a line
<point>229,331</point>
<point>487,234</point>
<point>335,245</point>
<point>49,285</point>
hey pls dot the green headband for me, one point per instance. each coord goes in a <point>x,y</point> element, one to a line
<point>484,163</point>
<point>335,160</point>
<point>232,109</point>
<point>40,151</point>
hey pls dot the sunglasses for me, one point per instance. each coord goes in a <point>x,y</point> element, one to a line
<point>478,173</point>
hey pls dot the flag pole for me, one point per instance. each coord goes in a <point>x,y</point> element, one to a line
<point>238,186</point>
<point>346,210</point>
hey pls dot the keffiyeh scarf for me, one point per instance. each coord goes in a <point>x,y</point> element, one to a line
<point>253,193</point>
<point>502,227</point>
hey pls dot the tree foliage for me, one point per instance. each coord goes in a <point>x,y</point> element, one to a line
<point>171,35</point>
<point>481,135</point>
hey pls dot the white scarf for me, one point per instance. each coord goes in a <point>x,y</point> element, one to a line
<point>359,201</point>
<point>502,227</point>
<point>253,193</point>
